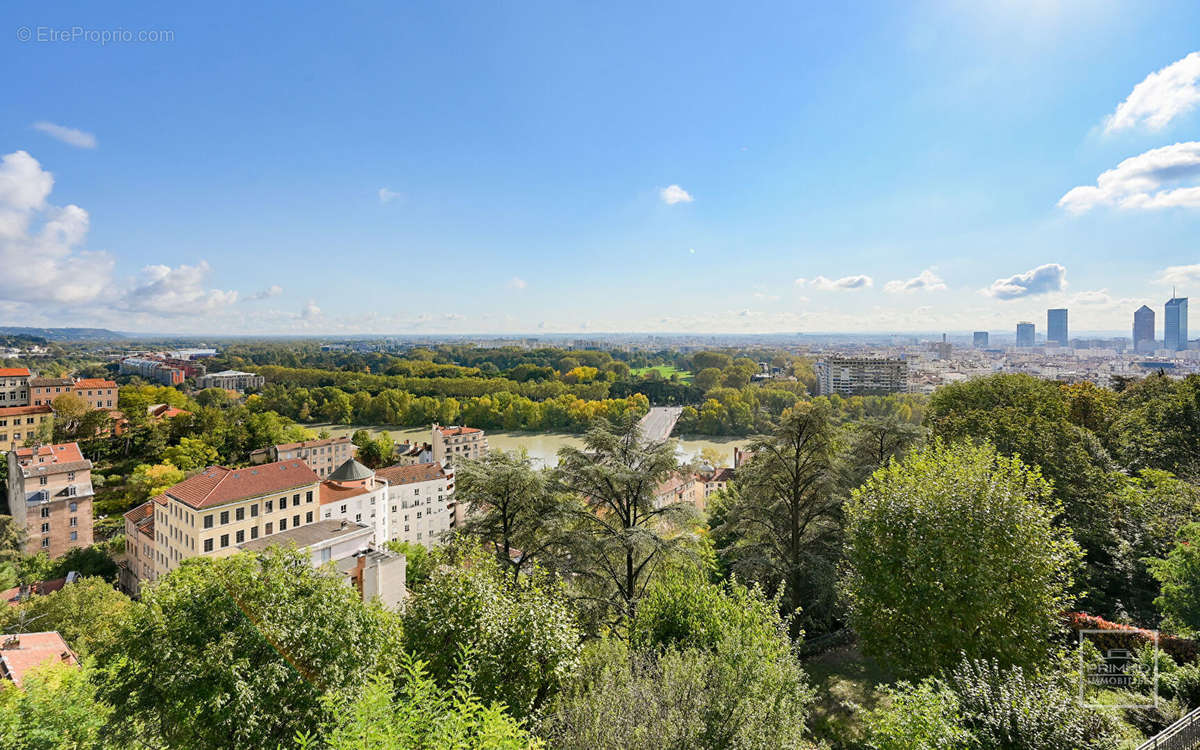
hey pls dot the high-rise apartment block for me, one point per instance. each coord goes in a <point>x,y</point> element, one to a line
<point>861,376</point>
<point>980,339</point>
<point>1056,326</point>
<point>1175,328</point>
<point>1026,334</point>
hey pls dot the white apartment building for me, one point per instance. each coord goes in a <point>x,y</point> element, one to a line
<point>452,443</point>
<point>354,494</point>
<point>421,502</point>
<point>861,376</point>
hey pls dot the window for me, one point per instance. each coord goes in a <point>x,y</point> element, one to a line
<point>268,531</point>
<point>224,517</point>
<point>416,490</point>
<point>254,532</point>
<point>308,517</point>
<point>224,540</point>
<point>41,480</point>
<point>270,506</point>
<point>282,503</point>
<point>240,514</point>
<point>343,509</point>
<point>241,536</point>
<point>358,517</point>
<point>208,545</point>
<point>45,543</point>
<point>74,521</point>
<point>46,512</point>
<point>45,528</point>
<point>283,524</point>
<point>74,536</point>
<point>308,496</point>
<point>296,499</point>
<point>296,520</point>
<point>70,476</point>
<point>208,521</point>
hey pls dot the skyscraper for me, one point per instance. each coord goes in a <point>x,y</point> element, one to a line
<point>980,339</point>
<point>1175,333</point>
<point>1056,326</point>
<point>1143,330</point>
<point>1025,333</point>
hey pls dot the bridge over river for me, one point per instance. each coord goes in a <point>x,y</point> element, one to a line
<point>659,421</point>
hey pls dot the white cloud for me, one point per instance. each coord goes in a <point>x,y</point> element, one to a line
<point>70,136</point>
<point>1160,98</point>
<point>272,291</point>
<point>516,282</point>
<point>1044,279</point>
<point>1142,182</point>
<point>387,196</point>
<point>175,291</point>
<point>1180,275</point>
<point>673,194</point>
<point>310,311</point>
<point>844,284</point>
<point>1095,297</point>
<point>926,281</point>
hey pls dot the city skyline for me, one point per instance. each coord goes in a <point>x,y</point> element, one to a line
<point>913,169</point>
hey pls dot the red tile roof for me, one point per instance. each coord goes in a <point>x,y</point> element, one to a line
<point>312,443</point>
<point>41,588</point>
<point>452,431</point>
<point>50,454</point>
<point>332,493</point>
<point>86,383</point>
<point>401,474</point>
<point>20,411</point>
<point>14,372</point>
<point>218,485</point>
<point>20,654</point>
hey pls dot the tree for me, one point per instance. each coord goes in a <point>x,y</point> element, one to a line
<point>1178,576</point>
<point>620,534</point>
<point>243,649</point>
<point>511,508</point>
<point>917,717</point>
<point>782,518</point>
<point>521,643</point>
<point>190,455</point>
<point>708,378</point>
<point>89,614</point>
<point>55,708</point>
<point>148,480</point>
<point>875,441</point>
<point>419,562</point>
<point>417,713</point>
<point>952,551</point>
<point>1159,426</point>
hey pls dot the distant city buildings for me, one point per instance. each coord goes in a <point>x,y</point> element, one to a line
<point>1144,340</point>
<point>979,339</point>
<point>861,376</point>
<point>231,380</point>
<point>1026,334</point>
<point>1175,328</point>
<point>1056,326</point>
<point>50,497</point>
<point>154,369</point>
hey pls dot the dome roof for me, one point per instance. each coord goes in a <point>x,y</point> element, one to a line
<point>351,471</point>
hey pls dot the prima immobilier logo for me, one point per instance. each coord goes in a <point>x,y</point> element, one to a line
<point>1118,668</point>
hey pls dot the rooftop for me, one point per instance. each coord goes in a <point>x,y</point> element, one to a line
<point>229,373</point>
<point>401,474</point>
<point>306,536</point>
<point>313,443</point>
<point>14,372</point>
<point>218,485</point>
<point>452,431</point>
<point>21,653</point>
<point>95,383</point>
<point>18,411</point>
<point>350,471</point>
<point>43,382</point>
<point>332,493</point>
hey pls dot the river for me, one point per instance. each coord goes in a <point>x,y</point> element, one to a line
<point>543,446</point>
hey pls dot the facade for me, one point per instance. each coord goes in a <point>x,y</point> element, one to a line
<point>680,488</point>
<point>353,494</point>
<point>19,423</point>
<point>979,339</point>
<point>718,480</point>
<point>1143,330</point>
<point>1056,326</point>
<point>861,376</point>
<point>453,443</point>
<point>1175,328</point>
<point>322,456</point>
<point>152,369</point>
<point>211,513</point>
<point>421,502</point>
<point>43,391</point>
<point>50,497</point>
<point>14,386</point>
<point>231,380</point>
<point>97,392</point>
<point>1026,334</point>
<point>21,653</point>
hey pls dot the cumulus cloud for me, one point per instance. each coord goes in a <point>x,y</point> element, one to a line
<point>1050,277</point>
<point>844,284</point>
<point>40,243</point>
<point>1161,97</point>
<point>1180,275</point>
<point>164,290</point>
<point>926,281</point>
<point>1095,297</point>
<point>310,311</point>
<point>387,196</point>
<point>272,291</point>
<point>70,136</point>
<point>673,194</point>
<point>516,282</point>
<point>1154,179</point>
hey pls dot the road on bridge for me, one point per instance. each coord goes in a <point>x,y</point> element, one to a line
<point>659,421</point>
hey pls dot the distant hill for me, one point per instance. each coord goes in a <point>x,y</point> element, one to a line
<point>63,334</point>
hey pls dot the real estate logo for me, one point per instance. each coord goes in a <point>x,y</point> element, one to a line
<point>1119,668</point>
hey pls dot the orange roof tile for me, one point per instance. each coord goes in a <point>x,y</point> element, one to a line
<point>33,650</point>
<point>20,411</point>
<point>332,493</point>
<point>14,372</point>
<point>218,485</point>
<point>94,383</point>
<point>452,431</point>
<point>401,474</point>
<point>55,454</point>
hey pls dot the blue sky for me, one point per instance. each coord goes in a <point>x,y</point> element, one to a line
<point>551,166</point>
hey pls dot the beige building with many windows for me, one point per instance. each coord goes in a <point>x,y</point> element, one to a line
<point>215,511</point>
<point>14,386</point>
<point>50,497</point>
<point>322,456</point>
<point>19,423</point>
<point>453,443</point>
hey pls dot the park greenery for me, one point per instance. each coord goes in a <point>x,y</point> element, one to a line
<point>928,549</point>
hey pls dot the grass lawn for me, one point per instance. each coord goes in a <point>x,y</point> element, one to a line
<point>845,682</point>
<point>665,370</point>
